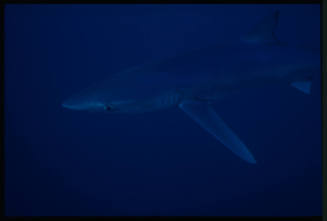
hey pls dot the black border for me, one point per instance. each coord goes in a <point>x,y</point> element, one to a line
<point>323,46</point>
<point>2,149</point>
<point>163,1</point>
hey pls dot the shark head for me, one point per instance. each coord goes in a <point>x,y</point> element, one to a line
<point>102,96</point>
<point>125,92</point>
<point>98,105</point>
<point>97,102</point>
<point>84,105</point>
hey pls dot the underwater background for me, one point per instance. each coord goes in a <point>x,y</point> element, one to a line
<point>71,163</point>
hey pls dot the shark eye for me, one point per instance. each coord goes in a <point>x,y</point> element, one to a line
<point>108,108</point>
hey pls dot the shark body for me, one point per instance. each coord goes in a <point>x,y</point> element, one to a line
<point>194,80</point>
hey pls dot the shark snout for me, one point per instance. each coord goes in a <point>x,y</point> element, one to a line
<point>70,105</point>
<point>73,104</point>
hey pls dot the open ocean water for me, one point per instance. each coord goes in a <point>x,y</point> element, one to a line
<point>75,163</point>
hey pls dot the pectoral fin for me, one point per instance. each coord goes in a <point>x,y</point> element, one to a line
<point>206,117</point>
<point>304,86</point>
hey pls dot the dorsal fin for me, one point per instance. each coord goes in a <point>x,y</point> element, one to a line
<point>264,31</point>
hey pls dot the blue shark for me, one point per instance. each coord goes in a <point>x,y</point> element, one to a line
<point>195,80</point>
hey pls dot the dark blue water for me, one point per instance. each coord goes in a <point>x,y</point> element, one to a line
<point>63,162</point>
